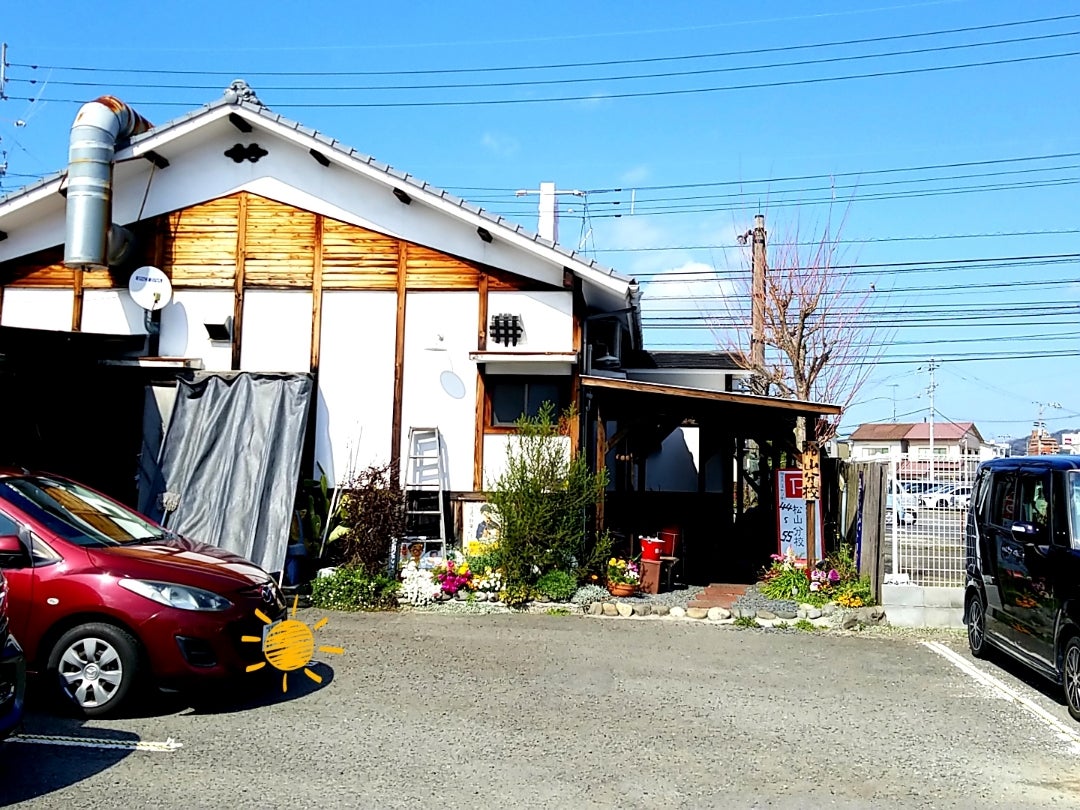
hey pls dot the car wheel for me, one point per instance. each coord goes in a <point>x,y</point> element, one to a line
<point>95,667</point>
<point>1071,676</point>
<point>976,626</point>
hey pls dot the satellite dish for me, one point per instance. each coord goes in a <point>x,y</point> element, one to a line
<point>150,288</point>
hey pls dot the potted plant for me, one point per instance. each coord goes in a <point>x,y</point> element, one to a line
<point>623,577</point>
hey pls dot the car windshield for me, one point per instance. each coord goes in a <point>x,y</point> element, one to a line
<point>75,513</point>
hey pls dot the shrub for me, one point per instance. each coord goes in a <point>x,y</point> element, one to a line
<point>350,587</point>
<point>541,502</point>
<point>372,512</point>
<point>557,586</point>
<point>745,621</point>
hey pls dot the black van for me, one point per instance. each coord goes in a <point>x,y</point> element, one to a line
<point>1023,566</point>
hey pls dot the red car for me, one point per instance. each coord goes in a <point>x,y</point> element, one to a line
<point>12,671</point>
<point>104,600</point>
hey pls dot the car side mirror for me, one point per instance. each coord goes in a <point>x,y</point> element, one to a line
<point>13,553</point>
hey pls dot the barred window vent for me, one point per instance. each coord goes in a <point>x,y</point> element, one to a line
<point>506,329</point>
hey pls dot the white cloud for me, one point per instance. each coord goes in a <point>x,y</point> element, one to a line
<point>635,175</point>
<point>502,145</point>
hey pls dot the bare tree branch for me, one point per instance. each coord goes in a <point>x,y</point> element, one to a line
<point>821,342</point>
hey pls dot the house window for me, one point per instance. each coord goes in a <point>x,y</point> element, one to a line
<point>513,396</point>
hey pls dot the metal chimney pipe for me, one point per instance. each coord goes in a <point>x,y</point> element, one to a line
<point>98,127</point>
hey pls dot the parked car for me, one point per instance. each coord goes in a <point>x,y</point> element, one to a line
<point>104,600</point>
<point>12,670</point>
<point>904,503</point>
<point>1023,566</point>
<point>947,496</point>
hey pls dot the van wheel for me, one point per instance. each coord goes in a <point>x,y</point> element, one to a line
<point>1071,676</point>
<point>976,627</point>
<point>95,667</point>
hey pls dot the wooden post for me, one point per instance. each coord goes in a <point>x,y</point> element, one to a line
<point>811,481</point>
<point>316,295</point>
<point>77,302</point>
<point>481,391</point>
<point>238,284</point>
<point>399,361</point>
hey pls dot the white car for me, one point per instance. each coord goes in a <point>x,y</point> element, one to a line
<point>949,496</point>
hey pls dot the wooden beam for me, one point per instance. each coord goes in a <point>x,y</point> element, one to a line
<point>752,400</point>
<point>399,360</point>
<point>77,303</point>
<point>481,391</point>
<point>316,296</point>
<point>238,282</point>
<point>601,463</point>
<point>578,311</point>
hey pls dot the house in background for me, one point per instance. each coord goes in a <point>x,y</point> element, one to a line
<point>288,252</point>
<point>888,441</point>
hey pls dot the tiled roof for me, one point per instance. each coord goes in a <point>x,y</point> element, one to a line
<point>914,431</point>
<point>327,142</point>
<point>891,432</point>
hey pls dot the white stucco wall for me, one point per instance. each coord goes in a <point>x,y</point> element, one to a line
<point>495,449</point>
<point>547,318</point>
<point>440,380</point>
<point>183,333</point>
<point>38,309</point>
<point>356,380</point>
<point>277,331</point>
<point>112,312</point>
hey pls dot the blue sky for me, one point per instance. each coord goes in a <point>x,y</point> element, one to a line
<point>1014,124</point>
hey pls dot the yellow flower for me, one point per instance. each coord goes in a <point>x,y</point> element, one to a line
<point>612,561</point>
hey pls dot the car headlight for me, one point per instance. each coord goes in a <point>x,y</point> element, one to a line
<point>170,594</point>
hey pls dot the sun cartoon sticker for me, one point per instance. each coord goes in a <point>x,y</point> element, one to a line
<point>289,645</point>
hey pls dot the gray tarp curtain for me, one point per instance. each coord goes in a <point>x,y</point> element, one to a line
<point>232,455</point>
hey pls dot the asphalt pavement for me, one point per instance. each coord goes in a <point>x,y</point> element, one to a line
<point>537,711</point>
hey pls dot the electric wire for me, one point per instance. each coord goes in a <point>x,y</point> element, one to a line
<point>559,66</point>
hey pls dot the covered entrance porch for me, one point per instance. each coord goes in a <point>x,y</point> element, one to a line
<point>696,465</point>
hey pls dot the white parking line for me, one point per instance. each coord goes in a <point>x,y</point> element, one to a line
<point>1064,732</point>
<point>166,747</point>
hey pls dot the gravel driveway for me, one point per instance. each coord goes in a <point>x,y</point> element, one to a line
<point>523,711</point>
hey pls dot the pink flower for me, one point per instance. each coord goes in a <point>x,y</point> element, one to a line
<point>834,575</point>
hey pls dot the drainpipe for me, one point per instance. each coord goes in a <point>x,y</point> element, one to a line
<point>98,127</point>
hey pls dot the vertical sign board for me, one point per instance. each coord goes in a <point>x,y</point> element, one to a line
<point>791,516</point>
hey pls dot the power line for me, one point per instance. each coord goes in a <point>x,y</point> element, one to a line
<point>827,175</point>
<point>901,195</point>
<point>936,265</point>
<point>628,95</point>
<point>579,79</point>
<point>875,240</point>
<point>559,66</point>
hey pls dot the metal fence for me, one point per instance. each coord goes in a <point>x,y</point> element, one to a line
<point>926,509</point>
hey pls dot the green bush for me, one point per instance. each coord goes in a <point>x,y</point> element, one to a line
<point>557,586</point>
<point>350,587</point>
<point>746,621</point>
<point>542,502</point>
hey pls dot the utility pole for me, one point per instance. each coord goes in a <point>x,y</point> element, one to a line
<point>3,69</point>
<point>757,312</point>
<point>894,386</point>
<point>933,385</point>
<point>548,223</point>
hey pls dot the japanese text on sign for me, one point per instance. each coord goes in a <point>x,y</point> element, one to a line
<point>791,515</point>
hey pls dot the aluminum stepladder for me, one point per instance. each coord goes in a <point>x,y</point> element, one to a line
<point>425,485</point>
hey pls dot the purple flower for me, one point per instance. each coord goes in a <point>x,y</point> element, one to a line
<point>834,575</point>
